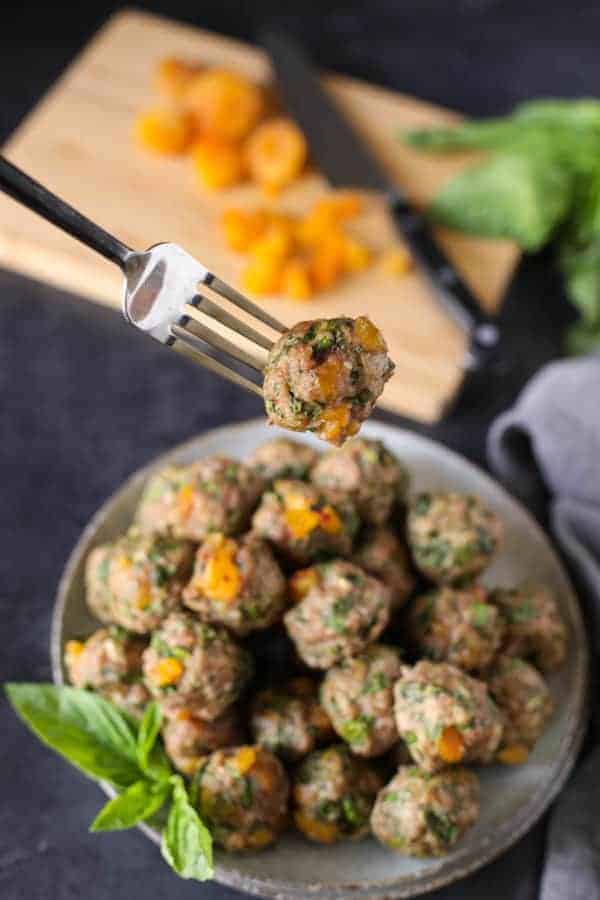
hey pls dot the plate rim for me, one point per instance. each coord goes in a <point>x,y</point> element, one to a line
<point>409,885</point>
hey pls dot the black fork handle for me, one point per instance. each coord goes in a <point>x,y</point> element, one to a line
<point>33,195</point>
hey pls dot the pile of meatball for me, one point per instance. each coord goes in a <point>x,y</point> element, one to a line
<point>397,666</point>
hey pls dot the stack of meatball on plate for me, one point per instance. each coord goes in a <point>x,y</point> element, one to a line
<point>402,669</point>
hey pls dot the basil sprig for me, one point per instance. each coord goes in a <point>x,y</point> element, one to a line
<point>108,745</point>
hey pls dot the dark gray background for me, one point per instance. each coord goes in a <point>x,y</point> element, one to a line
<point>84,401</point>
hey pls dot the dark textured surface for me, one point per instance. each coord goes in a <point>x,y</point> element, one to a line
<point>84,401</point>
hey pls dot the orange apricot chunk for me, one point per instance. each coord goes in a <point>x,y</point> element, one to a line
<point>173,77</point>
<point>164,131</point>
<point>276,153</point>
<point>513,755</point>
<point>396,261</point>
<point>295,280</point>
<point>217,164</point>
<point>242,228</point>
<point>262,275</point>
<point>225,105</point>
<point>450,745</point>
<point>368,335</point>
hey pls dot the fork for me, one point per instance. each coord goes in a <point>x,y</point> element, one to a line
<point>161,289</point>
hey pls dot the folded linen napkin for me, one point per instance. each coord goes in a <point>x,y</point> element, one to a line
<point>546,450</point>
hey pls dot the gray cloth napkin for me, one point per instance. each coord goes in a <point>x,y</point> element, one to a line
<point>546,450</point>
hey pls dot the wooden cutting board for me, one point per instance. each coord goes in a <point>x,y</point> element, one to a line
<point>77,141</point>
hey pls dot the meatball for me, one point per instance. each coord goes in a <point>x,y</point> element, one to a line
<point>333,795</point>
<point>452,536</point>
<point>358,696</point>
<point>131,698</point>
<point>342,611</point>
<point>189,740</point>
<point>138,580</point>
<point>524,698</point>
<point>236,582</point>
<point>194,667</point>
<point>366,471</point>
<point>290,721</point>
<point>534,627</point>
<point>242,795</point>
<point>282,458</point>
<point>107,657</point>
<point>212,494</point>
<point>304,524</point>
<point>325,376</point>
<point>382,554</point>
<point>446,716</point>
<point>458,626</point>
<point>418,814</point>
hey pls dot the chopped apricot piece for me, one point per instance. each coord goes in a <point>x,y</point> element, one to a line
<point>217,164</point>
<point>73,650</point>
<point>323,832</point>
<point>225,105</point>
<point>450,745</point>
<point>327,261</point>
<point>368,336</point>
<point>242,229</point>
<point>144,596</point>
<point>356,255</point>
<point>337,424</point>
<point>164,131</point>
<point>260,837</point>
<point>303,581</point>
<point>330,521</point>
<point>301,522</point>
<point>167,671</point>
<point>396,261</point>
<point>262,276</point>
<point>328,377</point>
<point>245,759</point>
<point>513,755</point>
<point>295,280</point>
<point>185,501</point>
<point>275,243</point>
<point>173,77</point>
<point>276,153</point>
<point>221,579</point>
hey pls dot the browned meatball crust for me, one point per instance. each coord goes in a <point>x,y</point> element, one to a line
<point>534,627</point>
<point>242,795</point>
<point>189,740</point>
<point>342,611</point>
<point>136,581</point>
<point>196,667</point>
<point>366,471</point>
<point>382,554</point>
<point>236,582</point>
<point>283,458</point>
<point>324,376</point>
<point>305,524</point>
<point>289,720</point>
<point>358,696</point>
<point>458,626</point>
<point>213,494</point>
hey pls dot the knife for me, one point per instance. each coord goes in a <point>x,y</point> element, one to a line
<point>343,158</point>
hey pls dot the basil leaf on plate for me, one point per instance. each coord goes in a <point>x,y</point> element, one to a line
<point>138,802</point>
<point>90,732</point>
<point>186,841</point>
<point>152,759</point>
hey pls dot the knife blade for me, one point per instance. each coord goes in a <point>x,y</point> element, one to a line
<point>343,158</point>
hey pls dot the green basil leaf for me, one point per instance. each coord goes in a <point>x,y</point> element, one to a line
<point>152,759</point>
<point>519,196</point>
<point>90,732</point>
<point>186,841</point>
<point>137,803</point>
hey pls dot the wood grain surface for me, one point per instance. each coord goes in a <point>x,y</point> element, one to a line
<point>77,141</point>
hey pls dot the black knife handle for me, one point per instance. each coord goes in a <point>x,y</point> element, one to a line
<point>454,295</point>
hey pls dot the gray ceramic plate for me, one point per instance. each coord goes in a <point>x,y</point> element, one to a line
<point>512,798</point>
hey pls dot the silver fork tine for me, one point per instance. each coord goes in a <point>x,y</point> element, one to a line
<point>220,343</point>
<point>230,293</point>
<point>187,345</point>
<point>221,315</point>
